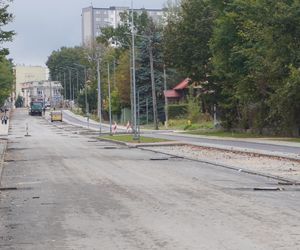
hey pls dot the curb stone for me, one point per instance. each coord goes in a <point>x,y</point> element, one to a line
<point>138,145</point>
<point>146,148</point>
<point>287,180</point>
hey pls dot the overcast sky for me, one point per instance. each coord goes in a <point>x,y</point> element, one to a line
<point>46,25</point>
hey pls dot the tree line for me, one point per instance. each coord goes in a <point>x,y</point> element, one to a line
<point>6,65</point>
<point>243,54</point>
<point>247,53</point>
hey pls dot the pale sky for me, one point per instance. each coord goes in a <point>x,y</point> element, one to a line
<point>46,25</point>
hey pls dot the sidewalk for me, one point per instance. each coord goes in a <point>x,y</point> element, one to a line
<point>4,130</point>
<point>3,143</point>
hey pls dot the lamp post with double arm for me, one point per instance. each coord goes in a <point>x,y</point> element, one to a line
<point>85,87</point>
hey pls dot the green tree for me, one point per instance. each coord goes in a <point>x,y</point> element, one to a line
<point>123,79</point>
<point>59,61</point>
<point>6,79</point>
<point>5,18</point>
<point>253,46</point>
<point>186,38</point>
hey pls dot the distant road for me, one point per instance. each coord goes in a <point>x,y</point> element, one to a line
<point>262,146</point>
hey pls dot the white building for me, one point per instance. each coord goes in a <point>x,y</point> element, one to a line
<point>93,19</point>
<point>27,74</point>
<point>48,92</point>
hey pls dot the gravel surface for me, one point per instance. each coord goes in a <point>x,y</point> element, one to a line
<point>269,165</point>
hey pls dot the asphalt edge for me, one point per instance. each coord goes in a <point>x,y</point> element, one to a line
<point>147,147</point>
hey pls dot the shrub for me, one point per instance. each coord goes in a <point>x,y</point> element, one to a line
<point>177,110</point>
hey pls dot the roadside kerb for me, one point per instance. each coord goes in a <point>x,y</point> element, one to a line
<point>147,146</point>
<point>245,150</point>
<point>137,145</point>
<point>241,170</point>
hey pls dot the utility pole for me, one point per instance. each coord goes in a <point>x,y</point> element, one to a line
<point>147,111</point>
<point>85,88</point>
<point>65,89</point>
<point>153,87</point>
<point>51,93</point>
<point>131,88</point>
<point>70,83</point>
<point>99,94</point>
<point>138,114</point>
<point>166,99</point>
<point>133,75</point>
<point>77,85</point>
<point>114,73</point>
<point>85,93</point>
<point>109,99</point>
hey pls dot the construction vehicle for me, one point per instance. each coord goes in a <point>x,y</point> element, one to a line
<point>36,108</point>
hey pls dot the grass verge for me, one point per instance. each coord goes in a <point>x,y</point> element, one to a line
<point>240,135</point>
<point>129,138</point>
<point>224,134</point>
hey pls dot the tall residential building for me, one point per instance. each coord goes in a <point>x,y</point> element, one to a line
<point>28,74</point>
<point>93,19</point>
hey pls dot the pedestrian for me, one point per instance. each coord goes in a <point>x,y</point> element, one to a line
<point>4,119</point>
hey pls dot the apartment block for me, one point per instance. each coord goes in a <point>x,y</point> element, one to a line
<point>93,19</point>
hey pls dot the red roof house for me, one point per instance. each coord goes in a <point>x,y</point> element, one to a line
<point>177,93</point>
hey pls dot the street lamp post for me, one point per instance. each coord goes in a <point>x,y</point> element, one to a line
<point>77,82</point>
<point>109,98</point>
<point>70,83</point>
<point>135,137</point>
<point>138,114</point>
<point>99,95</point>
<point>85,87</point>
<point>166,99</point>
<point>65,90</point>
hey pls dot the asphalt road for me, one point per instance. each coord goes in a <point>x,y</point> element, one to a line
<point>84,123</point>
<point>256,146</point>
<point>62,190</point>
<point>232,143</point>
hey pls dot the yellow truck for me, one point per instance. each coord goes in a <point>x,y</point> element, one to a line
<point>56,116</point>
